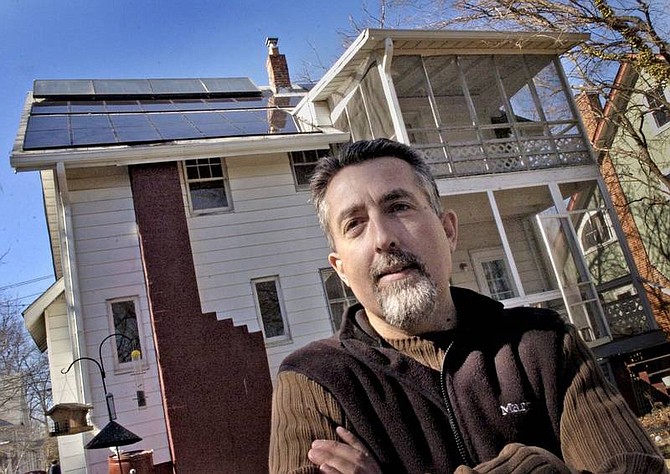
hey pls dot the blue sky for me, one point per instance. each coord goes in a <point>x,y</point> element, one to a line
<point>94,39</point>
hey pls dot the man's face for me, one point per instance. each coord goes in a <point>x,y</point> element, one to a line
<point>390,246</point>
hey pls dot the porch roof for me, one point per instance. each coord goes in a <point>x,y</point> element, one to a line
<point>372,42</point>
<point>33,315</point>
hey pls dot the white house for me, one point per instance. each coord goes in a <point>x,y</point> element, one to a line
<point>179,217</point>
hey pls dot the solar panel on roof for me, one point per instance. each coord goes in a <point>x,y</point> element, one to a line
<point>230,84</point>
<point>122,87</point>
<point>144,87</point>
<point>177,86</point>
<point>86,129</point>
<point>45,88</point>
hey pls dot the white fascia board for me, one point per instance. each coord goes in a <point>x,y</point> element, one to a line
<point>515,180</point>
<point>342,61</point>
<point>174,151</point>
<point>33,315</point>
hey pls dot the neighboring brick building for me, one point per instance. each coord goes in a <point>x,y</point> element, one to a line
<point>641,201</point>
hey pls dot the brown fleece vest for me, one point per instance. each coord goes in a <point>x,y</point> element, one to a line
<point>504,382</point>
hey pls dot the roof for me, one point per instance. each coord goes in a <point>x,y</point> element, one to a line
<point>33,315</point>
<point>87,113</point>
<point>431,42</point>
<point>89,121</point>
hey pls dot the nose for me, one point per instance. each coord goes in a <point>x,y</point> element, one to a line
<point>384,236</point>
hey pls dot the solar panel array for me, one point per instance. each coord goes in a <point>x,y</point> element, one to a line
<point>59,123</point>
<point>143,87</point>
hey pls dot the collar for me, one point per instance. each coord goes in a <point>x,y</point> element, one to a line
<point>472,310</point>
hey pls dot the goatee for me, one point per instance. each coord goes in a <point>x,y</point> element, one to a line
<point>405,302</point>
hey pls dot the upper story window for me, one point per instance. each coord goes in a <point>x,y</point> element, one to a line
<point>270,308</point>
<point>595,230</point>
<point>658,104</point>
<point>338,294</point>
<point>303,164</point>
<point>207,184</point>
<point>123,316</point>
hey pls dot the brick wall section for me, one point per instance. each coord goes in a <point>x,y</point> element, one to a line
<point>214,376</point>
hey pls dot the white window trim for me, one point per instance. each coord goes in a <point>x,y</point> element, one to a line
<point>276,340</point>
<point>345,299</point>
<point>226,186</point>
<point>652,120</point>
<point>588,213</point>
<point>298,186</point>
<point>479,256</point>
<point>125,366</point>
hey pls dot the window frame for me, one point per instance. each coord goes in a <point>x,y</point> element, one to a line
<point>226,187</point>
<point>348,301</point>
<point>481,256</point>
<point>284,338</point>
<point>316,151</point>
<point>651,103</point>
<point>588,215</point>
<point>125,366</point>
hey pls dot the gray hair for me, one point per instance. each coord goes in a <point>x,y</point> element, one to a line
<point>360,152</point>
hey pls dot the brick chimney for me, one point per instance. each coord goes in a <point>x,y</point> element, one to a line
<point>277,67</point>
<point>591,110</point>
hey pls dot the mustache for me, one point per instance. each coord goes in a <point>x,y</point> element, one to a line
<point>394,260</point>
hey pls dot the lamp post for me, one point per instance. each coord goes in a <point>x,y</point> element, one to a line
<point>113,434</point>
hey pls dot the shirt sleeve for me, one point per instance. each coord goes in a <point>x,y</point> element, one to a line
<point>302,411</point>
<point>599,432</point>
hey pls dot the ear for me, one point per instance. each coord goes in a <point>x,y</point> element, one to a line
<point>450,225</point>
<point>338,266</point>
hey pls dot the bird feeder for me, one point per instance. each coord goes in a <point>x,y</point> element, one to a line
<point>68,418</point>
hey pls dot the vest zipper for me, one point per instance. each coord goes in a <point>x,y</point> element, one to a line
<point>458,437</point>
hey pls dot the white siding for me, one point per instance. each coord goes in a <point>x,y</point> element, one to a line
<point>64,387</point>
<point>110,266</point>
<point>272,231</point>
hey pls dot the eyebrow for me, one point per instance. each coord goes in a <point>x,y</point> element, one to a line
<point>393,195</point>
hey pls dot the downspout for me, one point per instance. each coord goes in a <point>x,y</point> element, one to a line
<point>71,280</point>
<point>389,93</point>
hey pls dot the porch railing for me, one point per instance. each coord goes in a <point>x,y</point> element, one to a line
<point>626,317</point>
<point>525,150</point>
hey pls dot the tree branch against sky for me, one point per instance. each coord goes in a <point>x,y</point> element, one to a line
<point>25,388</point>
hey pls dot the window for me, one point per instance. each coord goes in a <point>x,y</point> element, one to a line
<point>659,107</point>
<point>492,273</point>
<point>303,164</point>
<point>207,184</point>
<point>123,316</point>
<point>338,294</point>
<point>270,308</point>
<point>595,230</point>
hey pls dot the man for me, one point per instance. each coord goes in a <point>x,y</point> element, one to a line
<point>423,377</point>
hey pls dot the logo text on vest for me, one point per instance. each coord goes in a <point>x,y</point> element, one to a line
<point>514,408</point>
